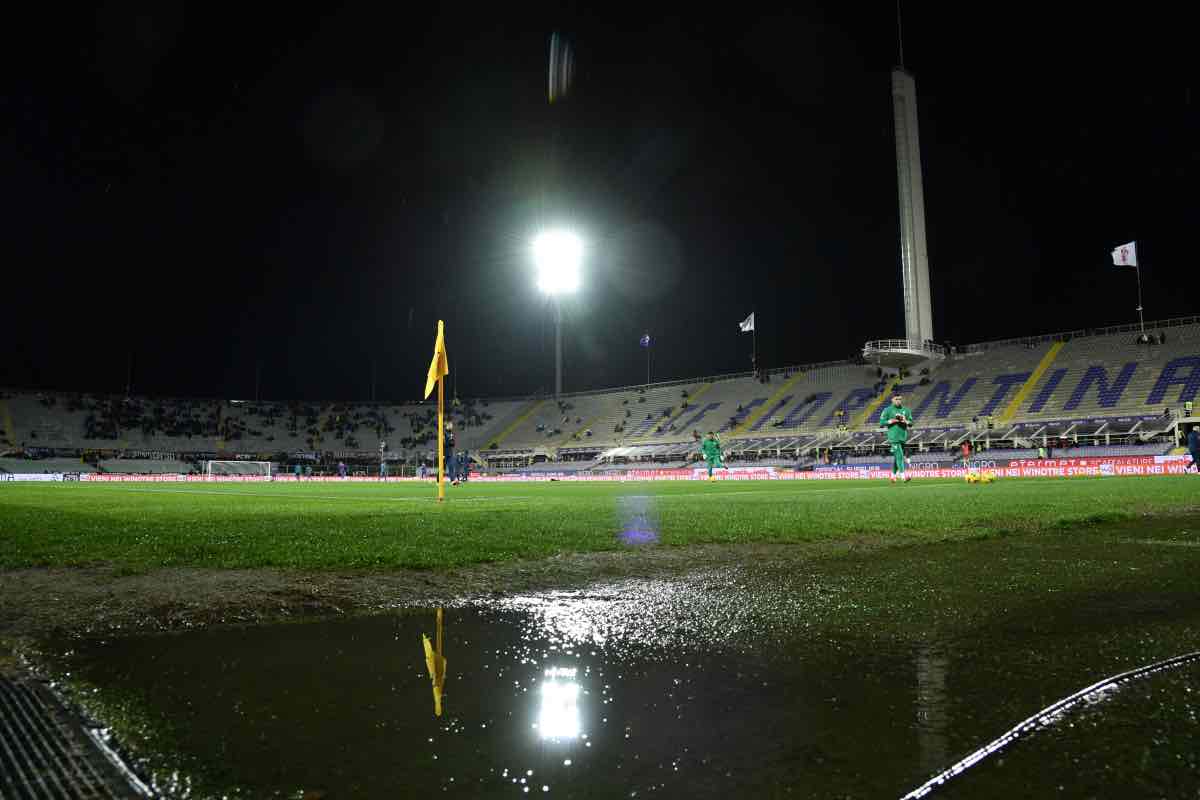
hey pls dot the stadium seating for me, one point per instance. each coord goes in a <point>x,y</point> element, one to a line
<point>146,466</point>
<point>40,465</point>
<point>1080,386</point>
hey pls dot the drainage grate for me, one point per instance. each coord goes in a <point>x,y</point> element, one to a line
<point>45,752</point>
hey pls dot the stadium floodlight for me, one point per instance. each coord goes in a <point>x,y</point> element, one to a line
<point>557,254</point>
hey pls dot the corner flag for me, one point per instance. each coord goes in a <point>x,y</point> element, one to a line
<point>1125,255</point>
<point>747,325</point>
<point>440,365</point>
<point>438,369</point>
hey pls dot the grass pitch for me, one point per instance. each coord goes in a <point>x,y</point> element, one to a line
<point>327,526</point>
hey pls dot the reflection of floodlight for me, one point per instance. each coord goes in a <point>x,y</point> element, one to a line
<point>559,716</point>
<point>557,255</point>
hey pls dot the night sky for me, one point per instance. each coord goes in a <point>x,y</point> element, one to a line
<point>213,187</point>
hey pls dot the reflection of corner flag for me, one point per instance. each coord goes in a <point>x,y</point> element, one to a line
<point>435,662</point>
<point>440,365</point>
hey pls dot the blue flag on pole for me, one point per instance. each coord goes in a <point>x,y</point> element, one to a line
<point>645,340</point>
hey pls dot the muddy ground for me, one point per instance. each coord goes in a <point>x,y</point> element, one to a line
<point>38,603</point>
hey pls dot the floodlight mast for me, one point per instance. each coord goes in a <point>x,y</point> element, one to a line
<point>557,255</point>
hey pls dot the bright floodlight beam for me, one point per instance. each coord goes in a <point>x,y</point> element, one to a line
<point>557,256</point>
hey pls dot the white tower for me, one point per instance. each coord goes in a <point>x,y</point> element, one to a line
<point>914,258</point>
<point>917,344</point>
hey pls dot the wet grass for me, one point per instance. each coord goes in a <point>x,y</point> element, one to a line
<point>139,527</point>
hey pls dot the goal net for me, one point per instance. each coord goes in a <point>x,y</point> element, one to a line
<point>247,469</point>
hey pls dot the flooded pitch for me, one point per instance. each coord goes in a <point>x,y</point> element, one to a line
<point>838,677</point>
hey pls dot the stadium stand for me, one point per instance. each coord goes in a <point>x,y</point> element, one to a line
<point>147,466</point>
<point>1110,388</point>
<point>40,465</point>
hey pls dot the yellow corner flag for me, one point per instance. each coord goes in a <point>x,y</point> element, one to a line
<point>438,369</point>
<point>440,365</point>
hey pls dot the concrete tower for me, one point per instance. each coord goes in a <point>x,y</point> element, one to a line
<point>914,258</point>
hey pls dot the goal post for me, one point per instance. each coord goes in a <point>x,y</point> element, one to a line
<point>247,469</point>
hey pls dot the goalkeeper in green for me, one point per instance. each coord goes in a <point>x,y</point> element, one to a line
<point>897,419</point>
<point>711,448</point>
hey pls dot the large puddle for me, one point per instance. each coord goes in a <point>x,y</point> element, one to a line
<point>843,677</point>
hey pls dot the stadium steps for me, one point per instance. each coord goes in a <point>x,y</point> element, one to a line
<point>873,406</point>
<point>770,404</point>
<point>681,413</point>
<point>1027,388</point>
<point>516,423</point>
<point>579,431</point>
<point>1111,352</point>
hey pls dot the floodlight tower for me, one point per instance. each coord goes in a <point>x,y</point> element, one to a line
<point>557,255</point>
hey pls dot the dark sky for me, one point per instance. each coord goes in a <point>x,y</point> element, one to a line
<point>210,187</point>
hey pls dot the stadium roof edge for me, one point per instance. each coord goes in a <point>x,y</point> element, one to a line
<point>1132,327</point>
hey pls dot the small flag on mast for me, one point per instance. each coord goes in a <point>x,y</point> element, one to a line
<point>1125,255</point>
<point>747,325</point>
<point>645,340</point>
<point>440,365</point>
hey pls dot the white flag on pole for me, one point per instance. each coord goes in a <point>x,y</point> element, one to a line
<point>1125,255</point>
<point>747,325</point>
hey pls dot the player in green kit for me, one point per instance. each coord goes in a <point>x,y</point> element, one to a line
<point>897,419</point>
<point>711,448</point>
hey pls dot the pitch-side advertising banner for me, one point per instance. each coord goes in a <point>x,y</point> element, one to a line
<point>1002,467</point>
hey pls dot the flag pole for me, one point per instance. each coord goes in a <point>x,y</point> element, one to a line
<point>754,341</point>
<point>1141,319</point>
<point>441,439</point>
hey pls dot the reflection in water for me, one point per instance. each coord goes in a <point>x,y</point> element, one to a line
<point>559,714</point>
<point>638,520</point>
<point>932,714</point>
<point>727,682</point>
<point>435,663</point>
